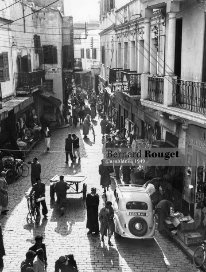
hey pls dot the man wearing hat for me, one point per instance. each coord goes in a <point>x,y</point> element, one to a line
<point>66,264</point>
<point>92,203</point>
<point>28,262</point>
<point>35,171</point>
<point>39,245</point>
<point>61,192</point>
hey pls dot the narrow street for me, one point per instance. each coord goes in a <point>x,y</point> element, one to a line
<point>68,234</point>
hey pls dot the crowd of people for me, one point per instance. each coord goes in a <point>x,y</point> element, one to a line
<point>98,222</point>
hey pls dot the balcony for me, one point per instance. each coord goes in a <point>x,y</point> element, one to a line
<point>28,81</point>
<point>156,89</point>
<point>78,64</point>
<point>115,75</point>
<point>189,95</point>
<point>131,83</point>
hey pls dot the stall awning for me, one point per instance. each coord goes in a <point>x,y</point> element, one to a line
<point>51,99</point>
<point>17,104</point>
<point>150,120</point>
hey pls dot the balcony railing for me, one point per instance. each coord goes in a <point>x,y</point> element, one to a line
<point>189,95</point>
<point>156,89</point>
<point>30,80</point>
<point>131,83</point>
<point>78,64</point>
<point>115,75</point>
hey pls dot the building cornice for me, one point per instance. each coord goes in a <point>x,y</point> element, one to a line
<point>112,27</point>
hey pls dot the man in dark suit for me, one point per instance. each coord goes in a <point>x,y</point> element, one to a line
<point>69,148</point>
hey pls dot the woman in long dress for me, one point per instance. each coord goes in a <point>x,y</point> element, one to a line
<point>86,125</point>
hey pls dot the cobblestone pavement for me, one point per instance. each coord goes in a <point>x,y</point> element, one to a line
<point>67,234</point>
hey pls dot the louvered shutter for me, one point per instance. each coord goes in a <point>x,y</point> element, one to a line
<point>1,68</point>
<point>29,63</point>
<point>6,66</point>
<point>54,54</point>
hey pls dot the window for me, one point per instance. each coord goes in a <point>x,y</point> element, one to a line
<point>94,53</point>
<point>50,54</point>
<point>136,205</point>
<point>103,54</point>
<point>82,53</point>
<point>4,67</point>
<point>88,53</point>
<point>37,44</point>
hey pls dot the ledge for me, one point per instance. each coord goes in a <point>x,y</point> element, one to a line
<point>185,114</point>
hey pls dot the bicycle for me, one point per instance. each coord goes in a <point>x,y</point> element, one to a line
<point>22,169</point>
<point>200,255</point>
<point>32,216</point>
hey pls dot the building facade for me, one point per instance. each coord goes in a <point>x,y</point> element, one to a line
<point>32,46</point>
<point>153,62</point>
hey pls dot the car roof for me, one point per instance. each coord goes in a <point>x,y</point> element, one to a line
<point>133,192</point>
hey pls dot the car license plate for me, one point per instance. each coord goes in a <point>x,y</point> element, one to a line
<point>137,213</point>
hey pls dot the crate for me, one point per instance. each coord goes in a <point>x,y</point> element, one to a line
<point>190,238</point>
<point>185,226</point>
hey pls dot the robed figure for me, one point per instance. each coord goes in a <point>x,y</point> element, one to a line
<point>92,204</point>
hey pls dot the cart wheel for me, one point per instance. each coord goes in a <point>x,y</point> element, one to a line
<point>84,191</point>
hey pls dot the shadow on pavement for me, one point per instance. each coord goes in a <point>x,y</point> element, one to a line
<point>74,212</point>
<point>141,253</point>
<point>108,257</point>
<point>88,141</point>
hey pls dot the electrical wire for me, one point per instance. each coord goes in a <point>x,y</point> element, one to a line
<point>34,12</point>
<point>10,5</point>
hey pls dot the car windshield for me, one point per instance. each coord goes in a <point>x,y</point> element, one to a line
<point>136,205</point>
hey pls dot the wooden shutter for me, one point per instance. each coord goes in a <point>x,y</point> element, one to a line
<point>54,54</point>
<point>1,68</point>
<point>6,66</point>
<point>103,54</point>
<point>82,53</point>
<point>29,63</point>
<point>94,53</point>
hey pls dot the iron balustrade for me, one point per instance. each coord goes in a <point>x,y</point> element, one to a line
<point>156,89</point>
<point>131,82</point>
<point>114,75</point>
<point>189,95</point>
<point>30,80</point>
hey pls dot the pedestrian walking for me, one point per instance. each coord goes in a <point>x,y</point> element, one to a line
<point>106,218</point>
<point>61,193</point>
<point>2,250</point>
<point>66,264</point>
<point>93,110</point>
<point>28,262</point>
<point>39,195</point>
<point>69,148</point>
<point>105,180</point>
<point>76,146</point>
<point>86,125</point>
<point>3,194</point>
<point>103,125</point>
<point>81,115</point>
<point>39,264</point>
<point>92,204</point>
<point>126,171</point>
<point>35,171</point>
<point>39,245</point>
<point>163,209</point>
<point>47,135</point>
